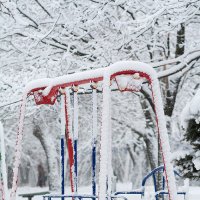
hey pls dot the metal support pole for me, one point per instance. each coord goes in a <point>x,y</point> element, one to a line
<point>76,139</point>
<point>62,146</point>
<point>94,135</point>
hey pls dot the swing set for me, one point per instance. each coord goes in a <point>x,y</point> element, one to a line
<point>123,76</point>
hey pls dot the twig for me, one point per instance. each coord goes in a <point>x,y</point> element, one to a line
<point>49,32</point>
<point>43,8</point>
<point>25,15</point>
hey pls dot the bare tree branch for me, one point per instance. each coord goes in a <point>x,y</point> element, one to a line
<point>180,66</point>
<point>45,10</point>
<point>33,21</point>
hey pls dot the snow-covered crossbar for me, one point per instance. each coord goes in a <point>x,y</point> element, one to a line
<point>46,90</point>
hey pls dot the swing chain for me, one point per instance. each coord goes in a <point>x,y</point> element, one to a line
<point>93,85</point>
<point>74,88</point>
<point>62,91</point>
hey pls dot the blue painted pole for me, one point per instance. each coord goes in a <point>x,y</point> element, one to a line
<point>62,143</point>
<point>76,114</point>
<point>163,185</point>
<point>155,184</point>
<point>76,165</point>
<point>94,168</point>
<point>94,140</point>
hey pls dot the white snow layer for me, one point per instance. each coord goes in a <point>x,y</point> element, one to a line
<point>191,110</point>
<point>69,112</point>
<point>129,82</point>
<point>76,116</point>
<point>196,162</point>
<point>94,114</point>
<point>105,139</point>
<point>116,67</point>
<point>62,115</point>
<point>163,136</point>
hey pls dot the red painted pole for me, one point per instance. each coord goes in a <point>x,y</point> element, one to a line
<point>69,145</point>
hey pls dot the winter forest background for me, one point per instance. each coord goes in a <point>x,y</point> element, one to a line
<point>44,38</point>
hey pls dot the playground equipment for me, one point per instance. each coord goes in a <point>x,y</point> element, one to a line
<point>124,76</point>
<point>3,171</point>
<point>162,192</point>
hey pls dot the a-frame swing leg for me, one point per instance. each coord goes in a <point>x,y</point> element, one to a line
<point>62,145</point>
<point>105,150</point>
<point>75,140</point>
<point>94,168</point>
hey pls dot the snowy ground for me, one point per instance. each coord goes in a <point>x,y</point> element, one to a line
<point>194,192</point>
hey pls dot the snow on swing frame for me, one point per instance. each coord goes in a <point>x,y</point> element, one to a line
<point>127,76</point>
<point>3,171</point>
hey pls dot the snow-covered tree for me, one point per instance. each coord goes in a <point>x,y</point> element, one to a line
<point>189,159</point>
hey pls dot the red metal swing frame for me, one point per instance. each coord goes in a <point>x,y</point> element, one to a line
<point>50,98</point>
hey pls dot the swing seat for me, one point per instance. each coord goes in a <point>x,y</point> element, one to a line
<point>158,193</point>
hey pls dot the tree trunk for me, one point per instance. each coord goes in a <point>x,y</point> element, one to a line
<point>171,94</point>
<point>48,143</point>
<point>150,136</point>
<point>150,150</point>
<point>160,174</point>
<point>151,140</point>
<point>180,41</point>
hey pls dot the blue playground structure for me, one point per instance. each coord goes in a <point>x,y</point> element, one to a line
<point>153,175</point>
<point>123,194</point>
